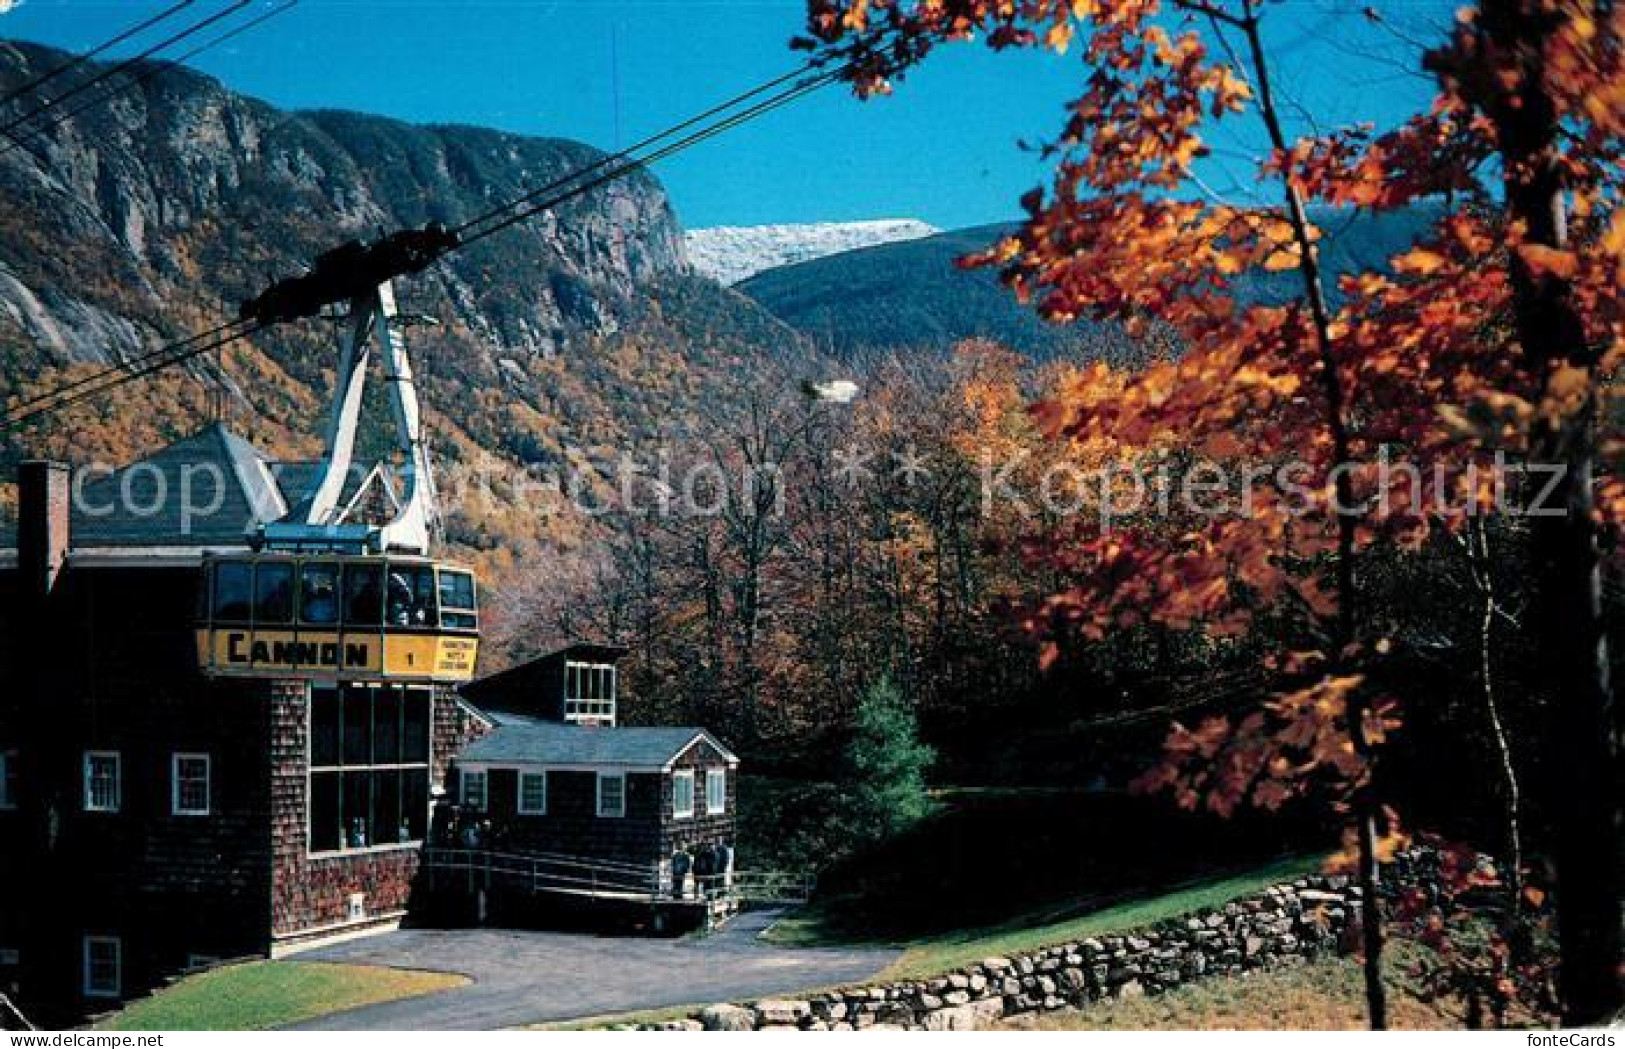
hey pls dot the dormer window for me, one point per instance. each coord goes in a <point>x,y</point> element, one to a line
<point>589,693</point>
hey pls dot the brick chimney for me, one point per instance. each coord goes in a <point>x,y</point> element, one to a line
<point>42,524</point>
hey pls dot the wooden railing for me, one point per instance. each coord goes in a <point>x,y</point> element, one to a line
<point>610,879</point>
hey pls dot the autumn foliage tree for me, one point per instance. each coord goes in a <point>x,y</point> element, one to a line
<point>1492,335</point>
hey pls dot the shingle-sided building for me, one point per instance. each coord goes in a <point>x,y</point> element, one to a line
<point>555,775</point>
<point>159,808</point>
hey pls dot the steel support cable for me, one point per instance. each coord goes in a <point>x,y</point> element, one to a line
<point>112,71</point>
<point>147,74</point>
<point>78,60</point>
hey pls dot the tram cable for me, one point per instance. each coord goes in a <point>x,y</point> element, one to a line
<point>422,248</point>
<point>112,71</point>
<point>149,73</point>
<point>80,59</point>
<point>149,364</point>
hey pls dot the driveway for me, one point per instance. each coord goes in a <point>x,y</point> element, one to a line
<point>523,977</point>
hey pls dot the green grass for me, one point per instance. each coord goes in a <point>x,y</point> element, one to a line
<point>939,953</point>
<point>259,995</point>
<point>1324,995</point>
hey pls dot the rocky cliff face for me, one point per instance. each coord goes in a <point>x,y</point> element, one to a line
<point>177,186</point>
<point>560,342</point>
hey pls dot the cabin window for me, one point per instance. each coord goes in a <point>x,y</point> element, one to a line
<point>589,691</point>
<point>8,779</point>
<point>611,794</point>
<point>319,593</point>
<point>189,784</point>
<point>457,609</point>
<point>233,592</point>
<point>716,791</point>
<point>476,794</point>
<point>682,794</point>
<point>273,592</point>
<point>104,788</point>
<point>103,966</point>
<point>533,793</point>
<point>369,766</point>
<point>411,596</point>
<point>363,594</point>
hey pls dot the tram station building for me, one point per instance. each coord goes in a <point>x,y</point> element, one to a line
<point>206,752</point>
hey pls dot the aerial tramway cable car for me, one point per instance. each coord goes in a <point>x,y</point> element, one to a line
<point>321,595</point>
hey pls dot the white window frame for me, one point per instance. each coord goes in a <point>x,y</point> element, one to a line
<point>118,781</point>
<point>677,811</point>
<point>534,774</point>
<point>8,780</point>
<point>176,808</point>
<point>603,777</point>
<point>719,776</point>
<point>86,986</point>
<point>484,777</point>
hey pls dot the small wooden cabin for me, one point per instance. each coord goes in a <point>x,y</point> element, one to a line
<point>557,775</point>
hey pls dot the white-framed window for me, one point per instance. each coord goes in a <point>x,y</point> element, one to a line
<point>589,692</point>
<point>104,781</point>
<point>682,794</point>
<point>189,789</point>
<point>476,793</point>
<point>611,794</point>
<point>103,966</point>
<point>716,791</point>
<point>8,779</point>
<point>533,793</point>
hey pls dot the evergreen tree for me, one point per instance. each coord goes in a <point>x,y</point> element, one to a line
<point>888,764</point>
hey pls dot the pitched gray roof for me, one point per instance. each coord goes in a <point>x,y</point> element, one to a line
<point>520,740</point>
<point>210,489</point>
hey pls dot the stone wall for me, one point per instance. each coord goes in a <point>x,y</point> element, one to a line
<point>1284,924</point>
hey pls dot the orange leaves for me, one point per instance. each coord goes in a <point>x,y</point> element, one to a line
<point>1543,261</point>
<point>1299,741</point>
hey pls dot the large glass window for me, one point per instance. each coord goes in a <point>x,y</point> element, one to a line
<point>369,775</point>
<point>410,599</point>
<point>457,600</point>
<point>319,593</point>
<point>273,592</point>
<point>233,591</point>
<point>363,594</point>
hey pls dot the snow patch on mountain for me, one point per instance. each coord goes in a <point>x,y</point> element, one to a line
<point>730,254</point>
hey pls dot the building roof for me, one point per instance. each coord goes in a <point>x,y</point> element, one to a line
<point>519,740</point>
<point>207,491</point>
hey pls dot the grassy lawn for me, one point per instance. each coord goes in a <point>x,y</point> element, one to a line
<point>938,953</point>
<point>258,995</point>
<point>1326,995</point>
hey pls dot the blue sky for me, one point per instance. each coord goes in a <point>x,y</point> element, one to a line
<point>943,149</point>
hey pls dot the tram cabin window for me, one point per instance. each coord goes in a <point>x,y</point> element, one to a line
<point>273,592</point>
<point>457,609</point>
<point>363,594</point>
<point>319,593</point>
<point>233,591</point>
<point>411,596</point>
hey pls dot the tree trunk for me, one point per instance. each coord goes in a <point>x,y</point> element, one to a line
<point>1582,746</point>
<point>1343,628</point>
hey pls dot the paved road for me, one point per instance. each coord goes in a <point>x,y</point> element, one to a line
<point>523,977</point>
